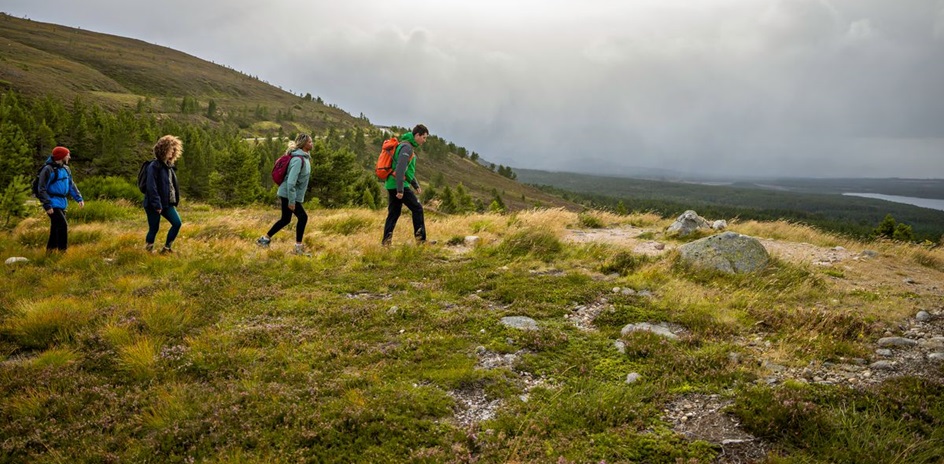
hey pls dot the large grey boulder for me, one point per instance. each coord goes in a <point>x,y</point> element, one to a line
<point>687,223</point>
<point>729,252</point>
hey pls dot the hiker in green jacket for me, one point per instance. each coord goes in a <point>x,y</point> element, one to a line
<point>400,183</point>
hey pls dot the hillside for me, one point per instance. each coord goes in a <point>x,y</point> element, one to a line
<point>41,60</point>
<point>226,352</point>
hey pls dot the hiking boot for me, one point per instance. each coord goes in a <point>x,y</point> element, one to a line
<point>166,250</point>
<point>149,247</point>
<point>300,251</point>
<point>263,241</point>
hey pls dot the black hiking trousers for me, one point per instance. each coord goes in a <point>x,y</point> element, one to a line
<point>58,231</point>
<point>395,207</point>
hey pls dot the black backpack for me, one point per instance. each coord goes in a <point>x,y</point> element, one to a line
<point>35,185</point>
<point>142,176</point>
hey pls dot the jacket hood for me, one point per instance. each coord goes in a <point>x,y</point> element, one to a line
<point>408,137</point>
<point>300,152</point>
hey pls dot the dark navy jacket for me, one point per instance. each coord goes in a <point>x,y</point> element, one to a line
<point>159,179</point>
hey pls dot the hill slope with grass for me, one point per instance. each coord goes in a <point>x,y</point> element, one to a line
<point>228,352</point>
<point>153,84</point>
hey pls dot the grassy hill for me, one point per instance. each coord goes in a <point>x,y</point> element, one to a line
<point>42,60</point>
<point>225,352</point>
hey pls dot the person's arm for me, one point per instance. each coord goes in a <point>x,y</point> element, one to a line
<point>42,189</point>
<point>403,160</point>
<point>153,194</point>
<point>294,170</point>
<point>74,191</point>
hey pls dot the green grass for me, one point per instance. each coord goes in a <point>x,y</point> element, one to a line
<point>225,352</point>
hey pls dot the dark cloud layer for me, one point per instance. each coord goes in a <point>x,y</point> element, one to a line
<point>722,87</point>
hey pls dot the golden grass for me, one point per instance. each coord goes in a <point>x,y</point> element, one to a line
<point>57,357</point>
<point>42,323</point>
<point>790,231</point>
<point>139,358</point>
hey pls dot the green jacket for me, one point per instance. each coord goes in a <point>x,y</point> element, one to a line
<point>404,171</point>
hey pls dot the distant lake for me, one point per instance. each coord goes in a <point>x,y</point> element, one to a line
<point>922,202</point>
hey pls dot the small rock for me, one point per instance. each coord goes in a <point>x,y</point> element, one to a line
<point>628,291</point>
<point>720,224</point>
<point>471,240</point>
<point>937,357</point>
<point>884,352</point>
<point>869,254</point>
<point>632,377</point>
<point>908,280</point>
<point>616,289</point>
<point>896,341</point>
<point>923,316</point>
<point>16,259</point>
<point>393,310</point>
<point>660,246</point>
<point>520,322</point>
<point>882,365</point>
<point>838,248</point>
<point>620,346</point>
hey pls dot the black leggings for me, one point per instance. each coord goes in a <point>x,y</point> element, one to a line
<point>287,218</point>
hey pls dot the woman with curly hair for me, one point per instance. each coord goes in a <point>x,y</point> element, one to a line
<point>163,194</point>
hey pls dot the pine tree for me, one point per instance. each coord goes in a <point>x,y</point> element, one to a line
<point>13,200</point>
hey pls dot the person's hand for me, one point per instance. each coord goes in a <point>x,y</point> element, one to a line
<point>82,204</point>
<point>399,195</point>
<point>50,211</point>
<point>291,207</point>
<point>419,191</point>
<point>159,210</point>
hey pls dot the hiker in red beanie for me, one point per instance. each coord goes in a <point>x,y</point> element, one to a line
<point>52,188</point>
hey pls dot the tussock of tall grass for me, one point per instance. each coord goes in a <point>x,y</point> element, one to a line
<point>31,402</point>
<point>138,359</point>
<point>56,357</point>
<point>925,256</point>
<point>554,220</point>
<point>43,323</point>
<point>167,314</point>
<point>168,405</point>
<point>790,231</point>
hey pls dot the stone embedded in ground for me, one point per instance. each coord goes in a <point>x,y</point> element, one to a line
<point>632,377</point>
<point>658,329</point>
<point>16,259</point>
<point>923,316</point>
<point>896,341</point>
<point>687,223</point>
<point>520,322</point>
<point>727,252</point>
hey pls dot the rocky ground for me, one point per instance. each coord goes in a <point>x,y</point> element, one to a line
<point>916,347</point>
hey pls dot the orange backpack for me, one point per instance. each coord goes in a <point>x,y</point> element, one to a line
<point>385,165</point>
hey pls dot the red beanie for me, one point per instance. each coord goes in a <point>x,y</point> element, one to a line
<point>59,153</point>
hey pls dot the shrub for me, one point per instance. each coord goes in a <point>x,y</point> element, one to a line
<point>101,211</point>
<point>109,188</point>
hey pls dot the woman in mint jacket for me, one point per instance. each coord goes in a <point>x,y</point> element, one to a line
<point>292,192</point>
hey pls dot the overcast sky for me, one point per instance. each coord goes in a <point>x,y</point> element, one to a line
<point>821,88</point>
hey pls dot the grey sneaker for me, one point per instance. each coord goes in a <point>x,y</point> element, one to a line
<point>300,250</point>
<point>263,241</point>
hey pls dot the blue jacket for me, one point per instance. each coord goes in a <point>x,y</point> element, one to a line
<point>296,179</point>
<point>55,184</point>
<point>160,179</point>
